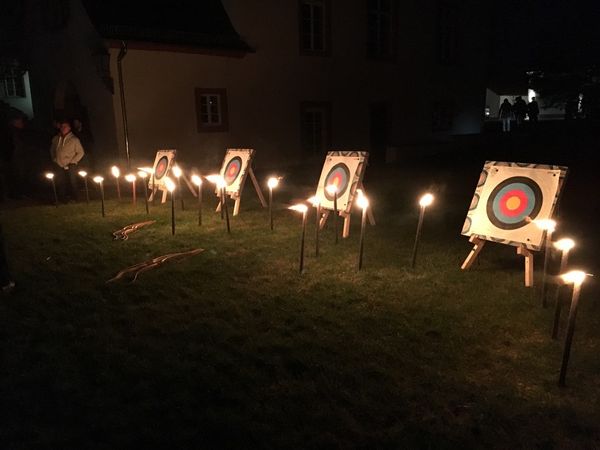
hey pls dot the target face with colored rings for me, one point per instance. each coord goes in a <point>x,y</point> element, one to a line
<point>514,203</point>
<point>339,176</point>
<point>232,170</point>
<point>161,168</point>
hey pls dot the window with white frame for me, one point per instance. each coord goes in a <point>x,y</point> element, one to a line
<point>12,85</point>
<point>211,110</point>
<point>380,29</point>
<point>314,26</point>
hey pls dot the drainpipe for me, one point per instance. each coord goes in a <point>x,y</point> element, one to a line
<point>122,54</point>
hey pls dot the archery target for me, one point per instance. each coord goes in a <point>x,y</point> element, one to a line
<point>514,202</point>
<point>163,162</point>
<point>338,176</point>
<point>161,168</point>
<point>508,198</point>
<point>235,168</point>
<point>344,171</point>
<point>232,170</point>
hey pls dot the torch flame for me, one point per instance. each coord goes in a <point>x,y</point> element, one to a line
<point>546,224</point>
<point>142,173</point>
<point>49,175</point>
<point>564,245</point>
<point>217,179</point>
<point>82,173</point>
<point>575,277</point>
<point>314,200</point>
<point>170,184</point>
<point>98,179</point>
<point>300,207</point>
<point>331,189</point>
<point>362,201</point>
<point>115,171</point>
<point>130,178</point>
<point>196,180</point>
<point>273,182</point>
<point>426,200</point>
<point>177,171</point>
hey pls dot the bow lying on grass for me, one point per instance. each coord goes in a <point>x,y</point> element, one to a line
<point>134,271</point>
<point>124,232</point>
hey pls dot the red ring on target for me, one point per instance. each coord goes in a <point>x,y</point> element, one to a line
<point>508,199</point>
<point>161,167</point>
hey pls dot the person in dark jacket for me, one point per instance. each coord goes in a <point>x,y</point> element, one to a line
<point>505,114</point>
<point>533,110</point>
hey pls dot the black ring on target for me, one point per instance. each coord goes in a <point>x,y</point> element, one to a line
<point>232,170</point>
<point>161,167</point>
<point>514,203</point>
<point>340,176</point>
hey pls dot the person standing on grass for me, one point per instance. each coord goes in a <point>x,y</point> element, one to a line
<point>505,114</point>
<point>520,110</point>
<point>66,151</point>
<point>533,110</point>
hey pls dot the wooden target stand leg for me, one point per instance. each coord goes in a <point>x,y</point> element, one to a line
<point>261,197</point>
<point>238,197</point>
<point>154,194</point>
<point>324,216</point>
<point>346,229</point>
<point>347,217</point>
<point>524,251</point>
<point>477,247</point>
<point>189,185</point>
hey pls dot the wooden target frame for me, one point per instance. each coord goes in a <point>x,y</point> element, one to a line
<point>157,181</point>
<point>508,198</point>
<point>155,184</point>
<point>345,169</point>
<point>237,165</point>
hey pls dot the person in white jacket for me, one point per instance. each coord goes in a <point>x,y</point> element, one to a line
<point>66,151</point>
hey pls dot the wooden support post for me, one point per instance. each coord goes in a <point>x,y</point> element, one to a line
<point>261,197</point>
<point>236,206</point>
<point>346,230</point>
<point>370,216</point>
<point>324,219</point>
<point>524,251</point>
<point>477,247</point>
<point>164,196</point>
<point>190,185</point>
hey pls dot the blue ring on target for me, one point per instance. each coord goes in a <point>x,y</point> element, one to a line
<point>339,170</point>
<point>236,163</point>
<point>528,197</point>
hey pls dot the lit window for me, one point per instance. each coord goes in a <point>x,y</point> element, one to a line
<point>211,110</point>
<point>314,26</point>
<point>380,28</point>
<point>12,86</point>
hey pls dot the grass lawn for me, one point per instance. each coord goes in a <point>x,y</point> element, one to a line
<point>233,348</point>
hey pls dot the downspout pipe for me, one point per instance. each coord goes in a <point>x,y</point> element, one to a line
<point>122,54</point>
